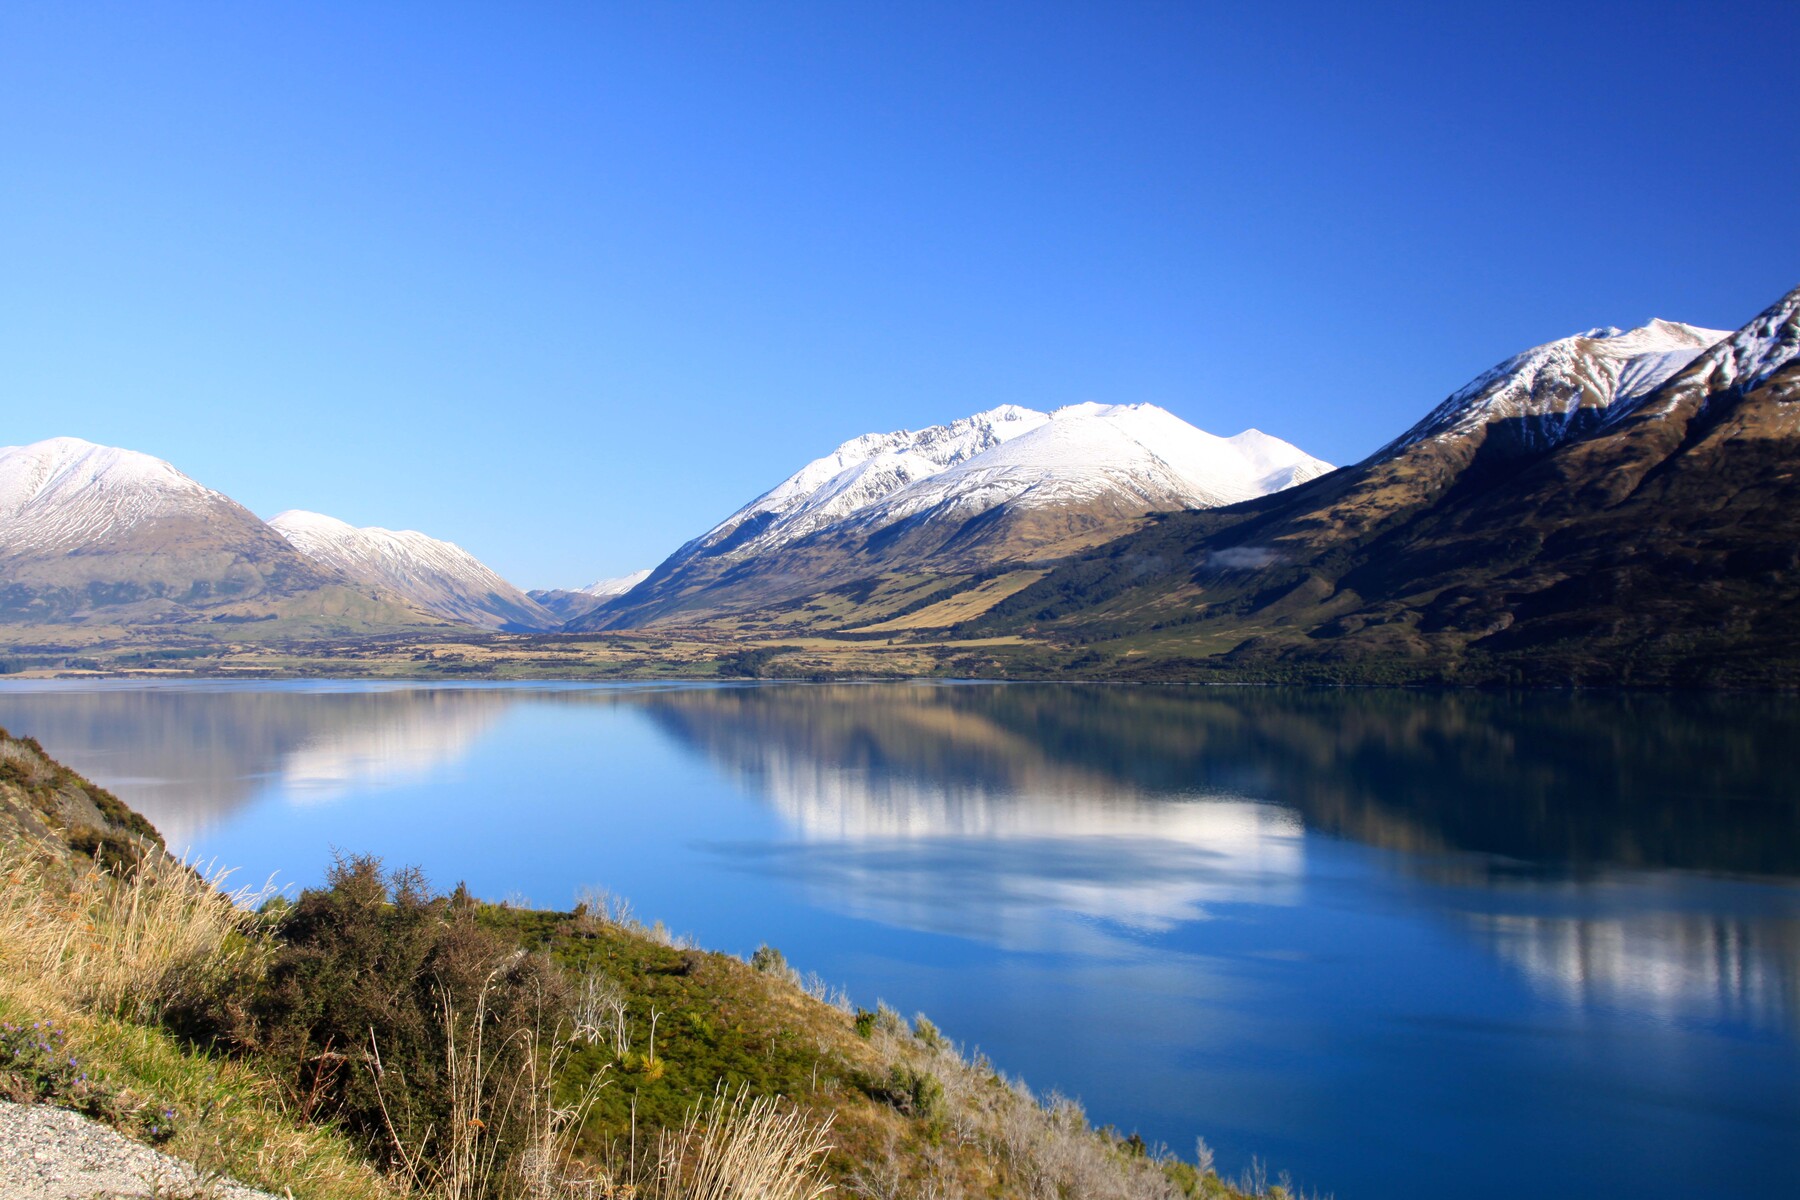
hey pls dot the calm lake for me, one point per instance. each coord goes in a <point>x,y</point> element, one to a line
<point>1397,944</point>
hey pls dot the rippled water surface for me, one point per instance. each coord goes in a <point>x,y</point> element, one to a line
<point>1398,944</point>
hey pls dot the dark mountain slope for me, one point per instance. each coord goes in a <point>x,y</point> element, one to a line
<point>1641,535</point>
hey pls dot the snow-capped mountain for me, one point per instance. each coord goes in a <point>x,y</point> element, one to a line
<point>570,603</point>
<point>88,529</point>
<point>606,589</point>
<point>862,472</point>
<point>1007,485</point>
<point>1566,387</point>
<point>1139,454</point>
<point>66,493</point>
<point>1610,507</point>
<point>438,576</point>
<point>1747,359</point>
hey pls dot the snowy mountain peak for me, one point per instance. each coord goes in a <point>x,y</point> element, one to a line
<point>860,473</point>
<point>1141,455</point>
<point>1605,370</point>
<point>441,577</point>
<point>66,492</point>
<point>1137,454</point>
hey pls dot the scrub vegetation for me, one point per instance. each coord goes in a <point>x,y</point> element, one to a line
<point>375,1037</point>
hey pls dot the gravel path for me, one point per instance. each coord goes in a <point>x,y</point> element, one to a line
<point>53,1154</point>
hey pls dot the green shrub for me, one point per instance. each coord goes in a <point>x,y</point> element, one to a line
<point>373,977</point>
<point>915,1093</point>
<point>865,1023</point>
<point>769,960</point>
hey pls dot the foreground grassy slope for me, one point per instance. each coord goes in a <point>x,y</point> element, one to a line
<point>370,1038</point>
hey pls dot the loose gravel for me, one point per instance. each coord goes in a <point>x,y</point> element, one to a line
<point>54,1154</point>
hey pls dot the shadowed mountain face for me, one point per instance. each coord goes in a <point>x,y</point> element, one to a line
<point>1601,513</point>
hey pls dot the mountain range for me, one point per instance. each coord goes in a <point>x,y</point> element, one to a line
<point>99,535</point>
<point>569,603</point>
<point>1617,505</point>
<point>94,533</point>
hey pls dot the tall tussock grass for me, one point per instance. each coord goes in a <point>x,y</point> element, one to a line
<point>140,943</point>
<point>741,1148</point>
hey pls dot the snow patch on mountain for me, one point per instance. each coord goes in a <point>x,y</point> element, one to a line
<point>65,493</point>
<point>1607,368</point>
<point>1748,358</point>
<point>440,577</point>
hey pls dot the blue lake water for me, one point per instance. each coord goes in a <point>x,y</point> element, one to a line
<point>1397,944</point>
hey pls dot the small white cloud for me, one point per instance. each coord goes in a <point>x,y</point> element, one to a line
<point>1244,558</point>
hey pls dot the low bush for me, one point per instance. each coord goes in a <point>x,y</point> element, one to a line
<point>391,1012</point>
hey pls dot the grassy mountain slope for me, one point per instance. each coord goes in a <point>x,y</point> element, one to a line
<point>880,573</point>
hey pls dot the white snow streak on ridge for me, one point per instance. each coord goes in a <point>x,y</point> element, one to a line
<point>1751,355</point>
<point>1605,368</point>
<point>66,492</point>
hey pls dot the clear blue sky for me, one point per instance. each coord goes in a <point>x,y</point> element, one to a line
<point>566,283</point>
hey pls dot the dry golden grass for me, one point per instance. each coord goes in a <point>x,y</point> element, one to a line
<point>465,1165</point>
<point>94,953</point>
<point>129,943</point>
<point>738,1148</point>
<point>961,607</point>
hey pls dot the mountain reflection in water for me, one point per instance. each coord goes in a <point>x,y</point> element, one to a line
<point>189,757</point>
<point>1304,918</point>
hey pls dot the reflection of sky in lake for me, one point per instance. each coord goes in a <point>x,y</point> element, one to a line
<point>1399,943</point>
